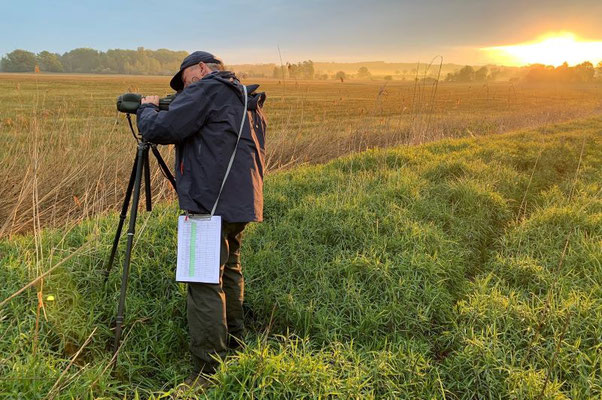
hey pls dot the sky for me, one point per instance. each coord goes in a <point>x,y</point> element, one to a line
<point>252,31</point>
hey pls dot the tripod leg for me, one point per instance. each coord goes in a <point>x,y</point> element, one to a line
<point>164,167</point>
<point>147,181</point>
<point>124,210</point>
<point>142,148</point>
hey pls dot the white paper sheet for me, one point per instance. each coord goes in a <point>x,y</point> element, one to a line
<point>198,249</point>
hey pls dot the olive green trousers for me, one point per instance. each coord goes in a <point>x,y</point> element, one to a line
<point>214,311</point>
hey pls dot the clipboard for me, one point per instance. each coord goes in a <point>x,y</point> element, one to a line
<point>199,242</point>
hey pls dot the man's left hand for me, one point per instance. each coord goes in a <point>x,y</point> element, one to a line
<point>150,99</point>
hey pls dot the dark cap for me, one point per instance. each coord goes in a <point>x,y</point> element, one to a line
<point>192,59</point>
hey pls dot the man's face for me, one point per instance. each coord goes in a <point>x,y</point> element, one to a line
<point>194,73</point>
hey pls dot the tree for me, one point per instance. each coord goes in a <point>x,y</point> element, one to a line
<point>18,61</point>
<point>168,59</point>
<point>363,73</point>
<point>465,74</point>
<point>539,73</point>
<point>308,69</point>
<point>599,70</point>
<point>493,74</point>
<point>82,60</point>
<point>562,73</point>
<point>301,70</point>
<point>584,72</point>
<point>388,78</point>
<point>116,61</point>
<point>293,70</point>
<point>279,72</point>
<point>50,62</point>
<point>340,75</point>
<point>481,74</point>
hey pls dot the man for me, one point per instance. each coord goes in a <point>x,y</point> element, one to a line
<point>203,121</point>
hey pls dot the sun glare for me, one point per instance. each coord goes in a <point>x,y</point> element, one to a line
<point>552,49</point>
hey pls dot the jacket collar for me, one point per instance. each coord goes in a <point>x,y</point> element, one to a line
<point>229,78</point>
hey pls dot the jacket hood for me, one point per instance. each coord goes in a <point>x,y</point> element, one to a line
<point>228,78</point>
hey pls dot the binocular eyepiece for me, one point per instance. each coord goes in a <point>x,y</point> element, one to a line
<point>129,102</point>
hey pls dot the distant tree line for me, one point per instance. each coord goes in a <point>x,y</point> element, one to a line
<point>301,70</point>
<point>469,74</point>
<point>584,72</point>
<point>165,62</point>
<point>85,60</point>
<point>306,70</point>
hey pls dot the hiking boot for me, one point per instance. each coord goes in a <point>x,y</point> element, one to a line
<point>235,343</point>
<point>195,383</point>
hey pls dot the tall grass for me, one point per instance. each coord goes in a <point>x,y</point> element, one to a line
<point>66,154</point>
<point>436,271</point>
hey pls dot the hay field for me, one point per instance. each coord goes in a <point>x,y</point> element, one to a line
<point>66,153</point>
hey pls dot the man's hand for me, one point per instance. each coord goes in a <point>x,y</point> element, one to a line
<point>150,99</point>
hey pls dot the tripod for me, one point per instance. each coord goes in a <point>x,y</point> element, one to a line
<point>141,167</point>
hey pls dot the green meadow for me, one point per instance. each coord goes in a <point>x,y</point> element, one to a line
<point>464,268</point>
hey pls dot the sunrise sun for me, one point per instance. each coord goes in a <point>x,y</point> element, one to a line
<point>551,49</point>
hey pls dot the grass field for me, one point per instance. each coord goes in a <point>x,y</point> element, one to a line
<point>460,269</point>
<point>66,153</point>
